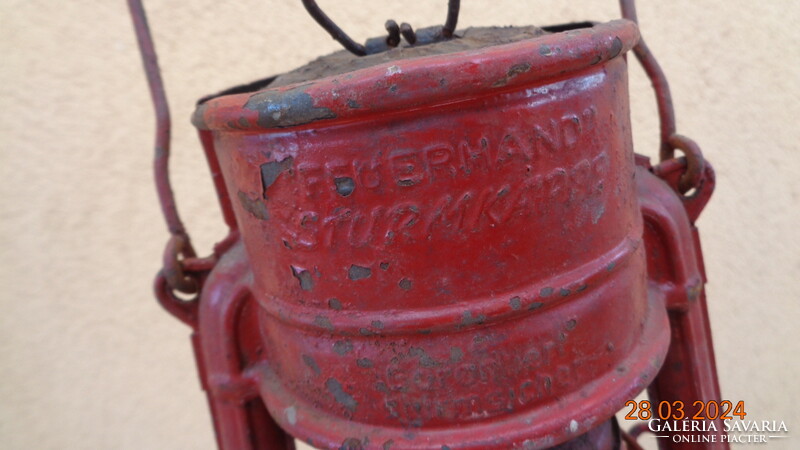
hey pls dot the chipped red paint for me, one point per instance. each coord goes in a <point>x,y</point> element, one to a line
<point>453,251</point>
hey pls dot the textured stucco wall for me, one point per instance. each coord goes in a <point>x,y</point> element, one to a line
<point>87,358</point>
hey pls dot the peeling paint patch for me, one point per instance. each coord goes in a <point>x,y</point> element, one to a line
<point>254,206</point>
<point>424,359</point>
<point>515,70</point>
<point>467,319</point>
<point>344,186</point>
<point>392,70</point>
<point>351,444</point>
<point>291,415</point>
<point>535,305</point>
<point>342,347</point>
<point>405,284</point>
<point>359,272</point>
<point>304,277</point>
<point>364,363</point>
<point>597,213</point>
<point>323,322</point>
<point>334,304</point>
<point>311,364</point>
<point>616,47</point>
<point>342,397</point>
<point>271,170</point>
<point>456,354</point>
<point>279,109</point>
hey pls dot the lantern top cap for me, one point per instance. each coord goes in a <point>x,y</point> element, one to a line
<point>491,60</point>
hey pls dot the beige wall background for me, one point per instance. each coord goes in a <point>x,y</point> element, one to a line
<point>88,360</point>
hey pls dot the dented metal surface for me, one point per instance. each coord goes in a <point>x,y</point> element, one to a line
<point>454,250</point>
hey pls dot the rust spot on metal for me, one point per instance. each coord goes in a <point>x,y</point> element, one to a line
<point>304,277</point>
<point>254,206</point>
<point>311,364</point>
<point>359,272</point>
<point>334,304</point>
<point>342,347</point>
<point>515,303</point>
<point>271,170</point>
<point>344,186</point>
<point>342,397</point>
<point>405,284</point>
<point>279,109</point>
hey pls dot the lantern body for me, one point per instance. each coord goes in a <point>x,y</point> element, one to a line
<point>431,252</point>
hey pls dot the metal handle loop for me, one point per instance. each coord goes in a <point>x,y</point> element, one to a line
<point>695,164</point>
<point>666,111</point>
<point>179,246</point>
<point>173,269</point>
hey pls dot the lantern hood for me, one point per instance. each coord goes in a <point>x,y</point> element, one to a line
<point>341,87</point>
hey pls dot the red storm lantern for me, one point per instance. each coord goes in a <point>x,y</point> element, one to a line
<point>444,241</point>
